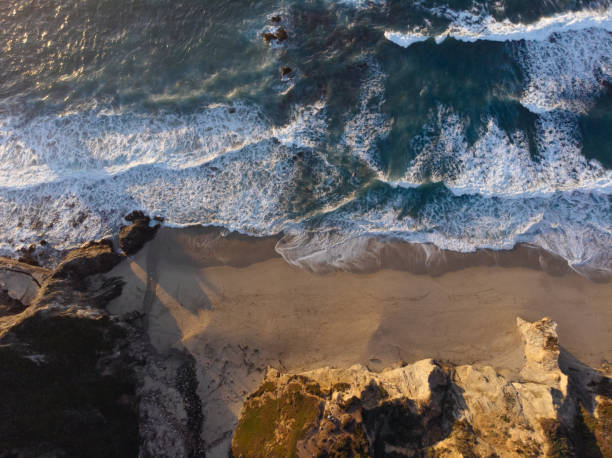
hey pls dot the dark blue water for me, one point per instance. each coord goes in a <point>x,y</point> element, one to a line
<point>182,109</point>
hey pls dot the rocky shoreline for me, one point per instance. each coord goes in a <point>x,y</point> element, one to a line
<point>77,380</point>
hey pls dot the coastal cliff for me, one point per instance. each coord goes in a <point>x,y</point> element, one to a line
<point>78,381</point>
<point>557,407</point>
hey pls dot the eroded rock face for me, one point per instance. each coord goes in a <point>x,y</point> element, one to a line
<point>133,237</point>
<point>430,409</point>
<point>91,258</point>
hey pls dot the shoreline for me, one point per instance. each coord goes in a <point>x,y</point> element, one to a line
<point>197,260</point>
<point>239,308</point>
<point>362,254</point>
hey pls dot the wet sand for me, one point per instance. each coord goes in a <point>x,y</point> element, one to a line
<point>238,307</point>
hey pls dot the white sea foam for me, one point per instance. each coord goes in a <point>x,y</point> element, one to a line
<point>566,73</point>
<point>100,142</point>
<point>239,172</point>
<point>368,125</point>
<point>565,58</point>
<point>466,26</point>
<point>569,225</point>
<point>361,3</point>
<point>500,164</point>
<point>405,39</point>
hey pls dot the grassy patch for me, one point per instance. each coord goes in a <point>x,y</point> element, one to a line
<point>558,441</point>
<point>315,389</point>
<point>273,425</point>
<point>597,430</point>
<point>340,387</point>
<point>267,387</point>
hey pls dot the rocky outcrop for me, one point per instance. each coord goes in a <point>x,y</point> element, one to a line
<point>279,35</point>
<point>171,414</point>
<point>432,409</point>
<point>71,373</point>
<point>67,389</point>
<point>133,237</point>
<point>9,305</point>
<point>91,258</point>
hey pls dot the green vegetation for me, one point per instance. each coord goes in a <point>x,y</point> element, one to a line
<point>559,444</point>
<point>315,389</point>
<point>340,387</point>
<point>272,424</point>
<point>597,430</point>
<point>465,438</point>
<point>267,387</point>
<point>355,446</point>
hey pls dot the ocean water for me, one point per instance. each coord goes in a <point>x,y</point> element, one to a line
<point>466,124</point>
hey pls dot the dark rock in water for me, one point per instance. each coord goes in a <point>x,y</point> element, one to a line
<point>268,37</point>
<point>133,237</point>
<point>281,34</point>
<point>286,71</point>
<point>135,216</point>
<point>28,255</point>
<point>159,219</point>
<point>275,18</point>
<point>232,110</point>
<point>91,258</point>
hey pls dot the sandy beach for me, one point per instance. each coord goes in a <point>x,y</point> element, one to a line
<point>239,307</point>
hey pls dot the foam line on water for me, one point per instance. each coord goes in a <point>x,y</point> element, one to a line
<point>468,27</point>
<point>500,163</point>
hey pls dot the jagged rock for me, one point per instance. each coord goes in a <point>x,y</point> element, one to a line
<point>91,258</point>
<point>279,35</point>
<point>21,281</point>
<point>542,353</point>
<point>268,37</point>
<point>28,255</point>
<point>133,237</point>
<point>285,71</point>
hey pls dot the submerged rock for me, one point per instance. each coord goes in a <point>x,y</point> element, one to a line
<point>279,35</point>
